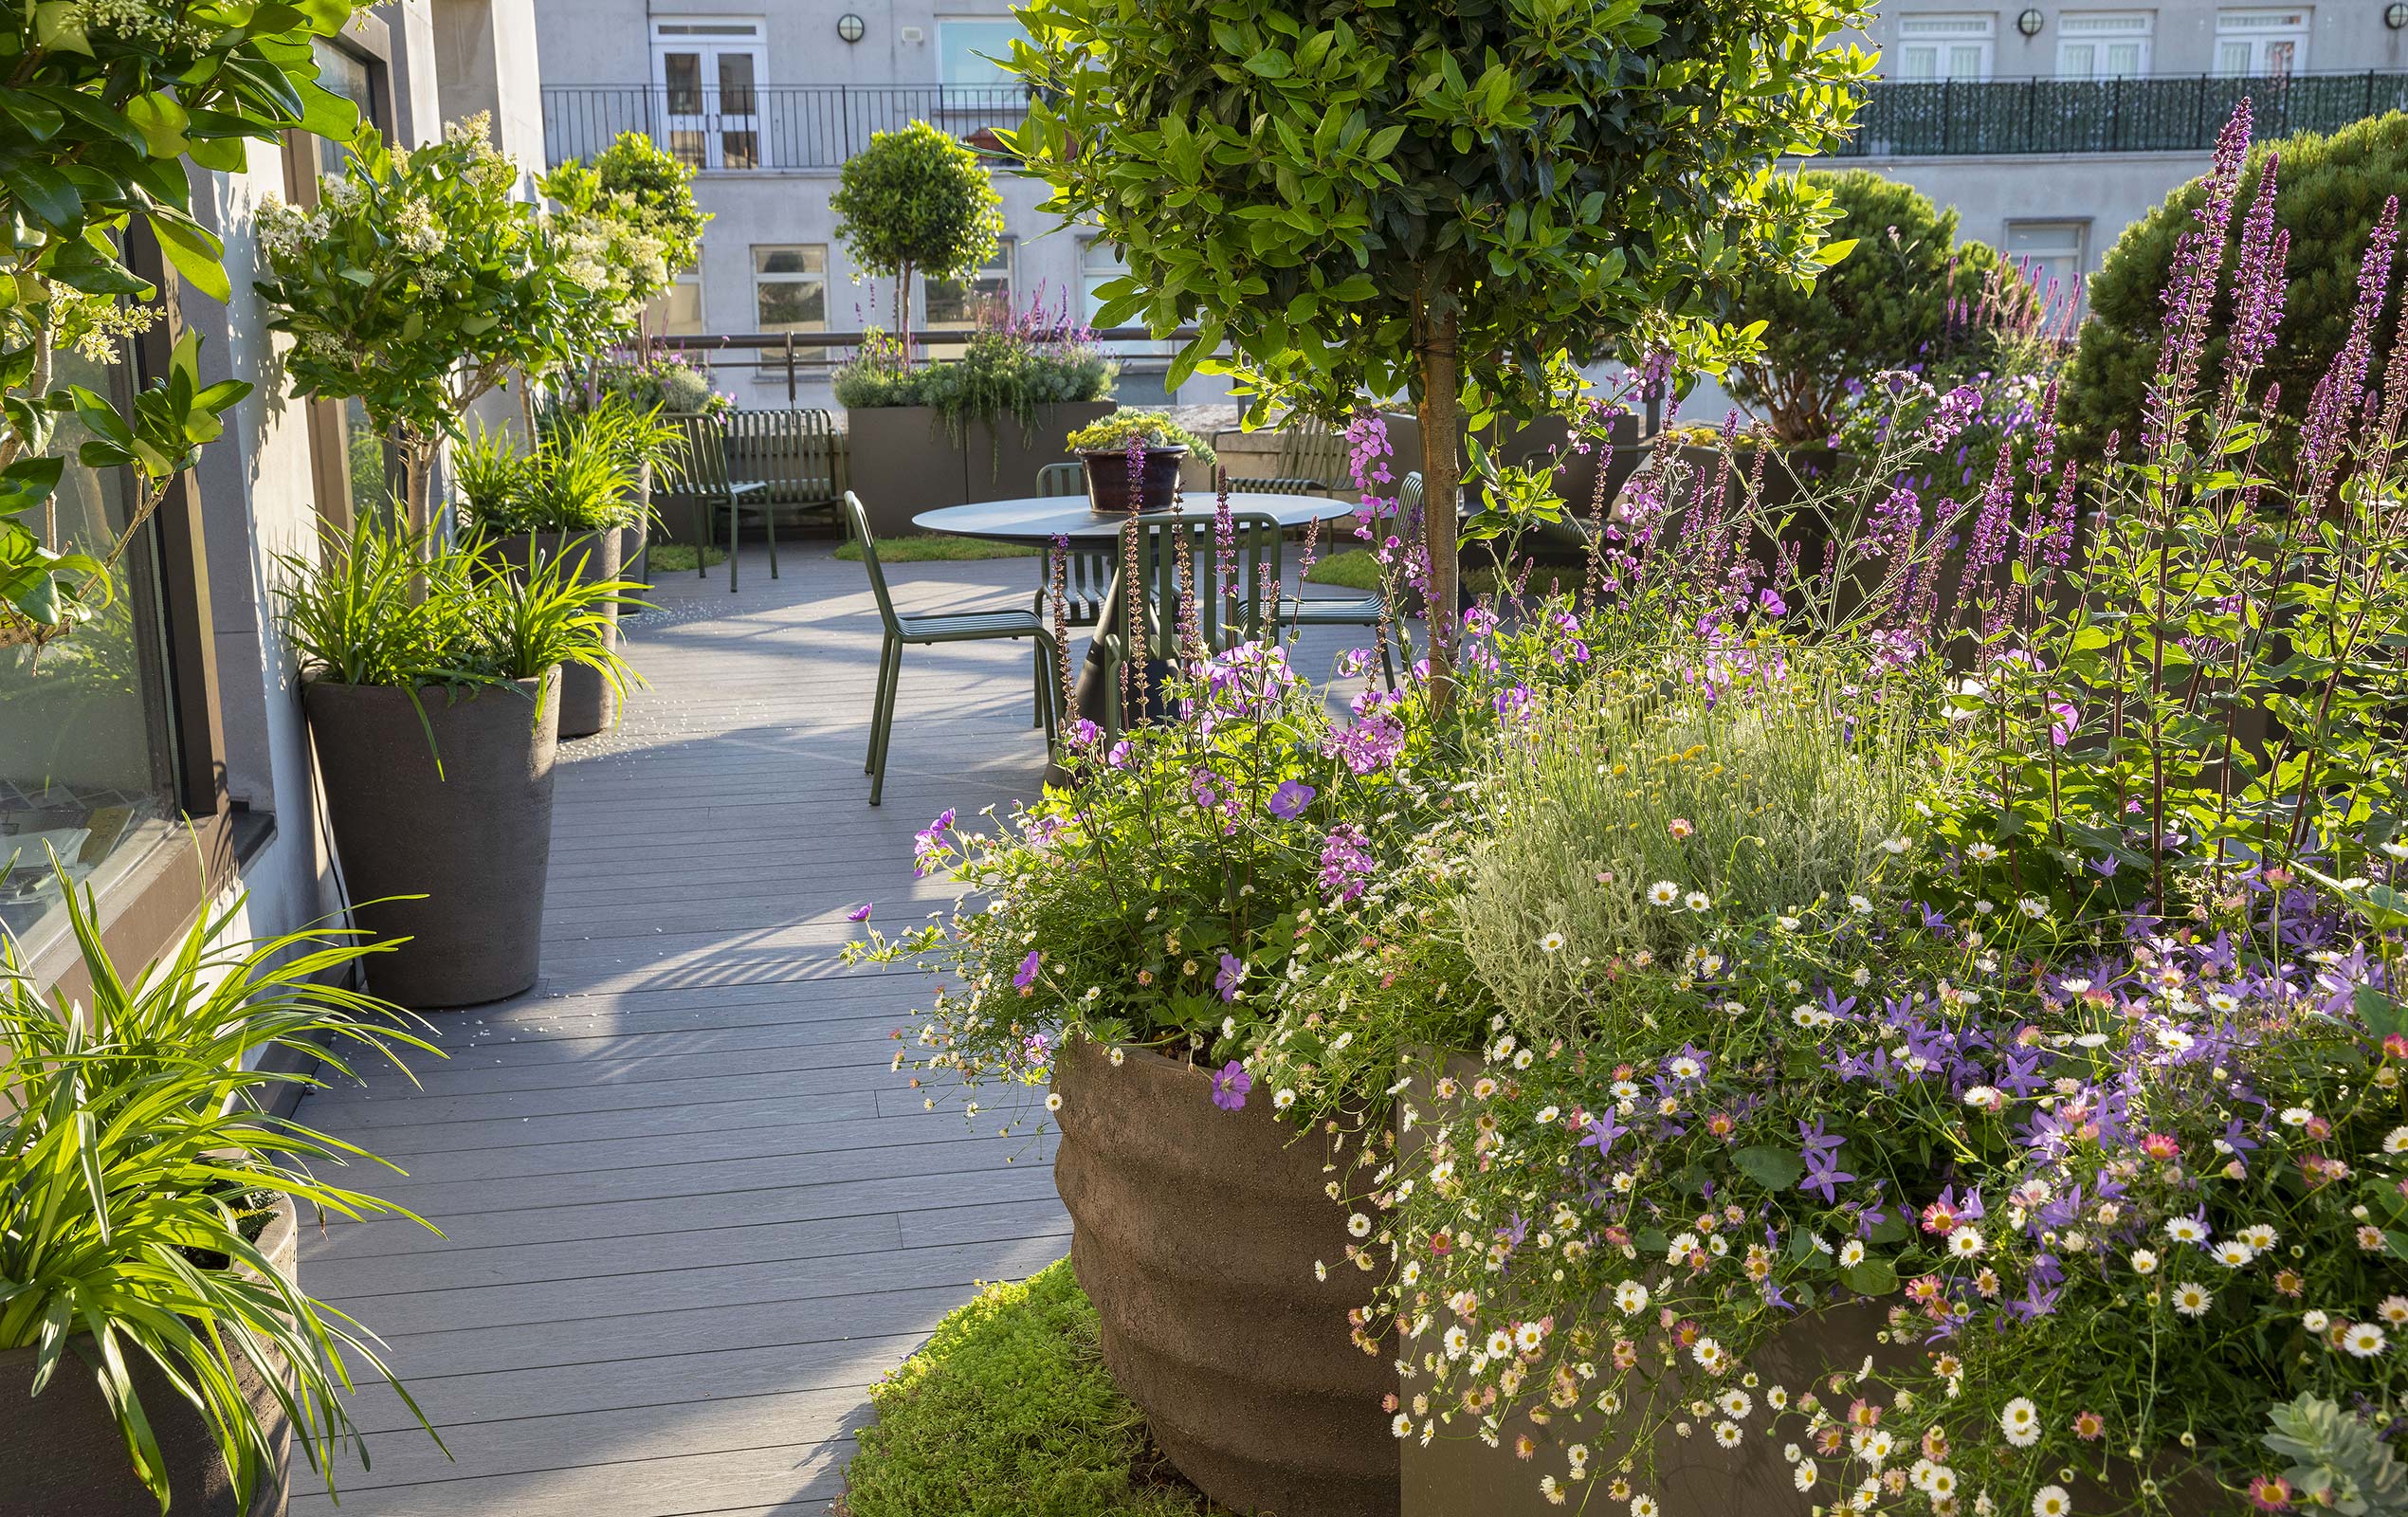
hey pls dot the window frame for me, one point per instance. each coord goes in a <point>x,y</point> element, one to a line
<point>2234,24</point>
<point>2080,249</point>
<point>1977,27</point>
<point>759,278</point>
<point>2111,27</point>
<point>1008,253</point>
<point>672,34</point>
<point>1089,278</point>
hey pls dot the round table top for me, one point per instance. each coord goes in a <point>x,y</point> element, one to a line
<point>1040,518</point>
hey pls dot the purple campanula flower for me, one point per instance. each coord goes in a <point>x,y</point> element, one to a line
<point>1026,975</point>
<point>1231,976</point>
<point>859,913</point>
<point>1230,1085</point>
<point>1288,802</point>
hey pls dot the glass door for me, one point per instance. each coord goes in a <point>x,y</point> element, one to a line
<point>706,77</point>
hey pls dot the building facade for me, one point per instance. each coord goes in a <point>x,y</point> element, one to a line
<point>767,102</point>
<point>2051,127</point>
<point>160,749</point>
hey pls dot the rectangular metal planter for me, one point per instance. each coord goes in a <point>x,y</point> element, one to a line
<point>903,461</point>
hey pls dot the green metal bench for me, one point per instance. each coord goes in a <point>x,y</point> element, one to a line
<point>798,454</point>
<point>702,475</point>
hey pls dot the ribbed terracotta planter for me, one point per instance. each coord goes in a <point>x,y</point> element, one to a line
<point>588,704</point>
<point>474,840</point>
<point>1195,1231</point>
<point>62,1456</point>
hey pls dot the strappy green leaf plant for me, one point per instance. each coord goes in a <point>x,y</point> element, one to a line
<point>137,1156</point>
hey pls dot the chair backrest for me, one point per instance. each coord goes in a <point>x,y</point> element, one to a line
<point>1409,493</point>
<point>857,521</point>
<point>1251,484</point>
<point>1062,479</point>
<point>797,453</point>
<point>701,467</point>
<point>1176,550</point>
<point>1310,448</point>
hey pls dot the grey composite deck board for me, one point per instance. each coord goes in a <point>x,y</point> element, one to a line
<point>684,1234</point>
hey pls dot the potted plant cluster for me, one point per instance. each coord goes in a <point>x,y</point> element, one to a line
<point>157,1348</point>
<point>976,428</point>
<point>432,675</point>
<point>1132,459</point>
<point>1765,1049</point>
<point>574,496</point>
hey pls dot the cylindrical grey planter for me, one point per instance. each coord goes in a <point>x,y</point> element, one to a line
<point>634,541</point>
<point>475,840</point>
<point>589,703</point>
<point>66,1458</point>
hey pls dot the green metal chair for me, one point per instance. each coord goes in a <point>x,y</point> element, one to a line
<point>1170,543</point>
<point>1255,484</point>
<point>1086,573</point>
<point>702,475</point>
<point>942,627</point>
<point>1312,450</point>
<point>1359,610</point>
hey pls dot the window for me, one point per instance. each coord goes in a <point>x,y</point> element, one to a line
<point>956,303</point>
<point>678,310</point>
<point>2050,252</point>
<point>343,72</point>
<point>790,288</point>
<point>87,756</point>
<point>2103,44</point>
<point>706,77</point>
<point>2261,43</point>
<point>966,46</point>
<point>1098,261</point>
<point>1935,47</point>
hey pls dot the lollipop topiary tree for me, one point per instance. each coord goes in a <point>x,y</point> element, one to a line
<point>916,200</point>
<point>1433,199</point>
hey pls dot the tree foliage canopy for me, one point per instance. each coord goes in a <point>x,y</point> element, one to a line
<point>1409,196</point>
<point>916,199</point>
<point>1887,306</point>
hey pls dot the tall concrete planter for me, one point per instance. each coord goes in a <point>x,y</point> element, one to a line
<point>634,541</point>
<point>64,1456</point>
<point>475,840</point>
<point>589,703</point>
<point>1196,1232</point>
<point>901,460</point>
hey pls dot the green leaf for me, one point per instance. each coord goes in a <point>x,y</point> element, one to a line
<point>1775,1169</point>
<point>196,254</point>
<point>1271,63</point>
<point>1830,253</point>
<point>46,192</point>
<point>1873,1277</point>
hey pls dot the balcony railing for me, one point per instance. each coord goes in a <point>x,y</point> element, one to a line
<point>2162,113</point>
<point>819,126</point>
<point>776,126</point>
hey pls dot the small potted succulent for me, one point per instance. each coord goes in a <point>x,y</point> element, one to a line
<point>1133,459</point>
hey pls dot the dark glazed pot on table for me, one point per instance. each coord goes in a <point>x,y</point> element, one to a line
<point>1108,480</point>
<point>475,840</point>
<point>1196,1232</point>
<point>589,703</point>
<point>66,1458</point>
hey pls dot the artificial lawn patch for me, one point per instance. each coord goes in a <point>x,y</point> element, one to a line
<point>936,550</point>
<point>1007,1412</point>
<point>674,557</point>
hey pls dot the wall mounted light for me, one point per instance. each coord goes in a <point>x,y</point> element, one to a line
<point>2396,14</point>
<point>850,26</point>
<point>2029,23</point>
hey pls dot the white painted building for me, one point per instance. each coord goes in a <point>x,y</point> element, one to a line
<point>2051,127</point>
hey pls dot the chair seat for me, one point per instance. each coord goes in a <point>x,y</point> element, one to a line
<point>961,625</point>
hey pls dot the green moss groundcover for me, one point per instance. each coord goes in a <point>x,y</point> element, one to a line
<point>1007,1412</point>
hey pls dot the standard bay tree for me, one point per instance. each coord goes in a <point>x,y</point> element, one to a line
<point>1434,198</point>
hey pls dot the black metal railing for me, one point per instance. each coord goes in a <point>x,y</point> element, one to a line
<point>2164,114</point>
<point>819,126</point>
<point>776,126</point>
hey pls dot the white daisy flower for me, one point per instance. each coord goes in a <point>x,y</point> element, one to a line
<point>1632,1297</point>
<point>1053,1101</point>
<point>2315,1322</point>
<point>1735,1402</point>
<point>1552,942</point>
<point>1663,892</point>
<point>1804,1476</point>
<point>1860,906</point>
<point>2232,1253</point>
<point>2192,1300</point>
<point>2363,1339</point>
<point>2053,1502</point>
<point>1981,852</point>
<point>1851,1254</point>
<point>1697,901</point>
<point>2020,1421</point>
<point>1458,1342</point>
<point>1500,1343</point>
<point>2033,906</point>
<point>1965,1242</point>
<point>1359,1225</point>
<point>1726,1433</point>
<point>2186,1230</point>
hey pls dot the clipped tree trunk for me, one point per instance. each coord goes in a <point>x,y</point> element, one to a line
<point>1441,477</point>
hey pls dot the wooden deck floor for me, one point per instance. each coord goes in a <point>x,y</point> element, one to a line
<point>689,1213</point>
